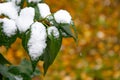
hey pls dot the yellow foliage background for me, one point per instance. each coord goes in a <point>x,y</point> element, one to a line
<point>97,54</point>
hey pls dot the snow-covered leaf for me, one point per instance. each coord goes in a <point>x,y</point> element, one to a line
<point>53,46</point>
<point>4,39</point>
<point>34,42</point>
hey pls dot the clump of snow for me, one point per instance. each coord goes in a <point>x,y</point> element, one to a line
<point>37,41</point>
<point>18,77</point>
<point>9,26</point>
<point>62,16</point>
<point>53,31</point>
<point>34,1</point>
<point>25,19</point>
<point>8,9</point>
<point>44,9</point>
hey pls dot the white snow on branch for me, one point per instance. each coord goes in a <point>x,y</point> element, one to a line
<point>9,26</point>
<point>44,10</point>
<point>37,41</point>
<point>8,9</point>
<point>25,19</point>
<point>34,1</point>
<point>53,31</point>
<point>62,16</point>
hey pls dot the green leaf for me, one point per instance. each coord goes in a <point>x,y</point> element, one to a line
<point>37,14</point>
<point>36,72</point>
<point>14,70</point>
<point>25,38</point>
<point>67,30</point>
<point>4,72</point>
<point>33,4</point>
<point>34,64</point>
<point>24,69</point>
<point>3,60</point>
<point>53,46</point>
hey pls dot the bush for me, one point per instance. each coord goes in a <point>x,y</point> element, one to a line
<point>41,33</point>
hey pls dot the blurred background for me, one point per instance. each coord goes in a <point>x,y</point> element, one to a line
<point>97,54</point>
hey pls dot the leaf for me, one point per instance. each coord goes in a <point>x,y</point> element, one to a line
<point>34,64</point>
<point>10,72</point>
<point>66,29</point>
<point>37,14</point>
<point>36,72</point>
<point>24,69</point>
<point>25,38</point>
<point>14,70</point>
<point>53,46</point>
<point>4,72</point>
<point>33,4</point>
<point>3,60</point>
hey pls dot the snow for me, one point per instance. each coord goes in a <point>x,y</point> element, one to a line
<point>25,19</point>
<point>37,41</point>
<point>44,10</point>
<point>34,1</point>
<point>8,9</point>
<point>18,77</point>
<point>62,16</point>
<point>53,31</point>
<point>9,26</point>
